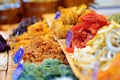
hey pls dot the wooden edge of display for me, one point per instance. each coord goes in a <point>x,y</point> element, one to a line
<point>2,75</point>
<point>55,38</point>
<point>76,71</point>
<point>3,61</point>
<point>49,17</point>
<point>11,63</point>
<point>63,45</point>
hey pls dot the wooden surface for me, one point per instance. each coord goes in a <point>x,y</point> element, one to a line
<point>9,73</point>
<point>11,66</point>
<point>11,62</point>
<point>49,17</point>
<point>2,75</point>
<point>63,45</point>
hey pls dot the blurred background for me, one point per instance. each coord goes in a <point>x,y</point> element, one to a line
<point>13,11</point>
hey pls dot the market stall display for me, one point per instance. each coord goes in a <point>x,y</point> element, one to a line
<point>99,53</point>
<point>101,49</point>
<point>91,50</point>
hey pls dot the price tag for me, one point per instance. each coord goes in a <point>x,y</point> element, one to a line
<point>69,38</point>
<point>57,15</point>
<point>18,71</point>
<point>18,55</point>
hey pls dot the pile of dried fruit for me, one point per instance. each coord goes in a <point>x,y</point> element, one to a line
<point>41,48</point>
<point>38,44</point>
<point>68,18</point>
<point>85,30</point>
